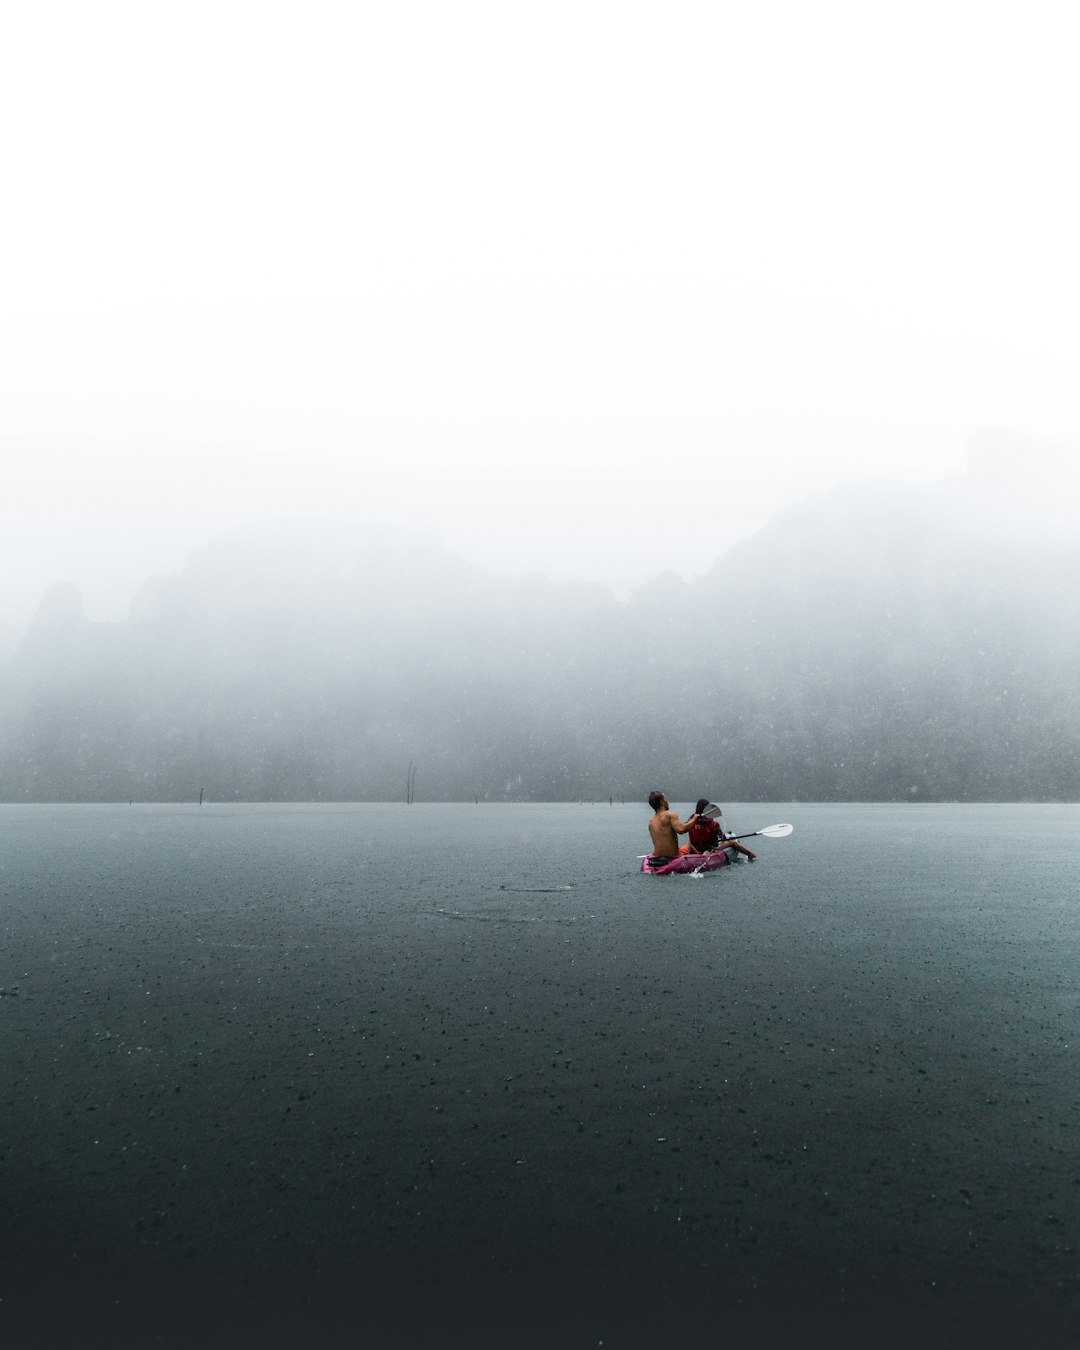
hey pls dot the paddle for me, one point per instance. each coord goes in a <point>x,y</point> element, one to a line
<point>770,832</point>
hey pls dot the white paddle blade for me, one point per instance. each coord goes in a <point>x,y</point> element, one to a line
<point>776,831</point>
<point>711,812</point>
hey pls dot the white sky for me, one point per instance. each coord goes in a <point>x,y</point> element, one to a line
<point>594,288</point>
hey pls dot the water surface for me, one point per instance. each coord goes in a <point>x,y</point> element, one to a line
<point>301,1051</point>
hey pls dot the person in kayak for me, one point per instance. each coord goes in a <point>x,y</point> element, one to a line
<point>706,836</point>
<point>664,830</point>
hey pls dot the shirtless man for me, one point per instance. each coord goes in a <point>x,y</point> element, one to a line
<point>664,828</point>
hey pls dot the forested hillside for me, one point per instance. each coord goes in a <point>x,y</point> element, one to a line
<point>872,645</point>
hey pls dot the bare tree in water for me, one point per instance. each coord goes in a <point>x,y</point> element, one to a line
<point>410,784</point>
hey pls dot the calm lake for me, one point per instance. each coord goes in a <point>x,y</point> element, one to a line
<point>470,1058</point>
<point>839,853</point>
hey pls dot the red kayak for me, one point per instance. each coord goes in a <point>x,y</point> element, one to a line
<point>688,862</point>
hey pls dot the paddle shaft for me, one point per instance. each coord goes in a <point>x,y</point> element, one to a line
<point>770,832</point>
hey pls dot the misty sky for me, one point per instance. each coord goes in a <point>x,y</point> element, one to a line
<point>593,288</point>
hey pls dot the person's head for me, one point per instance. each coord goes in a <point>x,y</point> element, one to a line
<point>703,803</point>
<point>658,801</point>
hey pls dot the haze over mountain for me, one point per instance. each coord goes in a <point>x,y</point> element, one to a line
<point>878,642</point>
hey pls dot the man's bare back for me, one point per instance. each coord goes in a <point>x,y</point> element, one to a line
<point>665,828</point>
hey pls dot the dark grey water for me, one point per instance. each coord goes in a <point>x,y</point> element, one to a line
<point>251,1038</point>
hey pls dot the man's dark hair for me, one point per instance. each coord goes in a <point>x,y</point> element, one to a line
<point>656,800</point>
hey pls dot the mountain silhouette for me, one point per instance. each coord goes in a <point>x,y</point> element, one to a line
<point>875,643</point>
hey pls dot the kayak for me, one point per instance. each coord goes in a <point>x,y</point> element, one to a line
<point>691,862</point>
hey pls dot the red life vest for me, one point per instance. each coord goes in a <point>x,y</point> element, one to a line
<point>704,835</point>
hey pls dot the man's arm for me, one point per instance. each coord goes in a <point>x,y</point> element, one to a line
<point>677,825</point>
